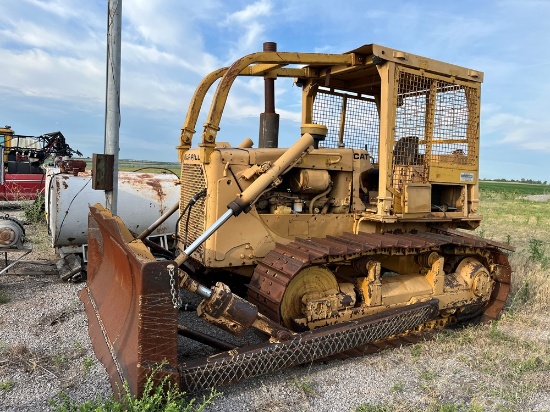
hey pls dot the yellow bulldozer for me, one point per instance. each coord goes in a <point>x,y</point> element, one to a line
<point>351,240</point>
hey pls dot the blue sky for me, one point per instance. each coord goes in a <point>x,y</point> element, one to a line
<point>53,70</point>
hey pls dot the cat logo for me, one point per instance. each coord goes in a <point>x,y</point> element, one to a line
<point>361,156</point>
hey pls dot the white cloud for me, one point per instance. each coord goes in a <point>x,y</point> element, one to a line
<point>61,8</point>
<point>153,26</point>
<point>499,121</point>
<point>250,12</point>
<point>136,55</point>
<point>250,24</point>
<point>145,92</point>
<point>293,116</point>
<point>35,72</point>
<point>515,130</point>
<point>32,35</point>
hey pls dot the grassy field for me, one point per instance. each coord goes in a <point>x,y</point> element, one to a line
<point>511,189</point>
<point>525,224</point>
<point>150,167</point>
<point>127,165</point>
<point>509,217</point>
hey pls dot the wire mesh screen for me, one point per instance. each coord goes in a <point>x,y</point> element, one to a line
<point>256,360</point>
<point>352,121</point>
<point>436,123</point>
<point>193,181</point>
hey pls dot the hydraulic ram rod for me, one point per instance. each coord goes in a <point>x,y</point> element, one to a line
<point>158,222</point>
<point>251,193</point>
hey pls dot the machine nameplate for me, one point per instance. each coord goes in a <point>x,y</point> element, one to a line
<point>466,177</point>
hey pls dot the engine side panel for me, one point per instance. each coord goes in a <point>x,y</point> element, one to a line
<point>318,197</point>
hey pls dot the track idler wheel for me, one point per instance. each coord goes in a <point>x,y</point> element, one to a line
<point>315,294</point>
<point>477,276</point>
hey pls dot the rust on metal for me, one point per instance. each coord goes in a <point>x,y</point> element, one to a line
<point>228,311</point>
<point>132,322</point>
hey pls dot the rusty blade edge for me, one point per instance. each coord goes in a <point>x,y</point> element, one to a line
<point>102,346</point>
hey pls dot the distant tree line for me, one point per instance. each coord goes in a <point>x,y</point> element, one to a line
<point>522,180</point>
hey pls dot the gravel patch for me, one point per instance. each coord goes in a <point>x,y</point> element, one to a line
<point>538,198</point>
<point>44,343</point>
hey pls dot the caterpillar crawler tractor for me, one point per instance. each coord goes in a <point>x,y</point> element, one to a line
<point>349,241</point>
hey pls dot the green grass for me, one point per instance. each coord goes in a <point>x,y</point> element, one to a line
<point>514,188</point>
<point>149,167</point>
<point>416,350</point>
<point>4,298</point>
<point>524,224</point>
<point>427,375</point>
<point>60,361</point>
<point>160,396</point>
<point>511,219</point>
<point>146,166</point>
<point>305,385</point>
<point>6,385</point>
<point>34,211</point>
<point>87,364</point>
<point>373,408</point>
<point>398,387</point>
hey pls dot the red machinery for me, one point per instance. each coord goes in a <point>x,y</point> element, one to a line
<point>21,158</point>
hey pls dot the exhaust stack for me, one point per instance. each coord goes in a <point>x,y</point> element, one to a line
<point>269,120</point>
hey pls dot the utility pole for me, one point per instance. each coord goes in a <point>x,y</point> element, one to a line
<point>112,98</point>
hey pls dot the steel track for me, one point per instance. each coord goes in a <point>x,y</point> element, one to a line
<point>278,268</point>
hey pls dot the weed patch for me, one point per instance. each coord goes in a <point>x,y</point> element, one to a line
<point>537,252</point>
<point>373,408</point>
<point>416,351</point>
<point>34,212</point>
<point>6,385</point>
<point>4,298</point>
<point>87,363</point>
<point>305,385</point>
<point>20,356</point>
<point>156,397</point>
<point>427,375</point>
<point>398,387</point>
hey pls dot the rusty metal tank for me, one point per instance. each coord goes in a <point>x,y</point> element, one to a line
<point>143,198</point>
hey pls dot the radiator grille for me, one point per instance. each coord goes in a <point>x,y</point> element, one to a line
<point>436,123</point>
<point>352,121</point>
<point>192,181</point>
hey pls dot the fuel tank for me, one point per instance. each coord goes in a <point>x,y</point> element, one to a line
<point>142,199</point>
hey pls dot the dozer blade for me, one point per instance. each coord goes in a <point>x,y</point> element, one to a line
<point>131,319</point>
<point>133,323</point>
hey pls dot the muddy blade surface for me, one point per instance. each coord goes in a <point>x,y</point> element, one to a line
<point>132,322</point>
